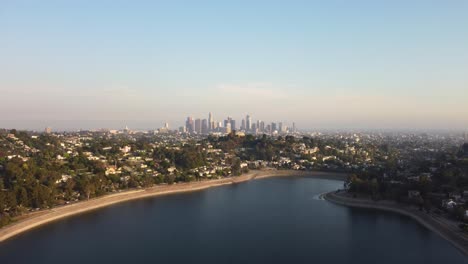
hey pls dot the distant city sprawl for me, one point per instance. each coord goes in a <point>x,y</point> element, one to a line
<point>247,126</point>
<point>43,170</point>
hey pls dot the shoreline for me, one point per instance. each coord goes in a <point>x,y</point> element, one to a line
<point>35,219</point>
<point>450,233</point>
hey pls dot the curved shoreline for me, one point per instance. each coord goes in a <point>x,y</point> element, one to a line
<point>57,213</point>
<point>456,238</point>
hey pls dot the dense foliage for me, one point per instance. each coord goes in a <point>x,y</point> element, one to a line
<point>45,170</point>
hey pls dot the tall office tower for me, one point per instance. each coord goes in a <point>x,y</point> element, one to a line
<point>220,124</point>
<point>198,126</point>
<point>233,124</point>
<point>273,127</point>
<point>261,127</point>
<point>204,126</point>
<point>294,128</point>
<point>210,122</point>
<point>248,122</point>
<point>189,124</point>
<point>258,124</point>
<point>280,127</point>
<point>228,128</point>
<point>268,129</point>
<point>166,125</point>
<point>226,121</point>
<point>182,129</point>
<point>254,128</point>
<point>243,124</point>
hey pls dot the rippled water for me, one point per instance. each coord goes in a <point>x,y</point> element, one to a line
<point>274,220</point>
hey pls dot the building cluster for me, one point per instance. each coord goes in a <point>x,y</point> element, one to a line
<point>79,165</point>
<point>399,158</point>
<point>247,126</point>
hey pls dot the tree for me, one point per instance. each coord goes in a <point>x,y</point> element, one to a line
<point>22,196</point>
<point>236,167</point>
<point>69,185</point>
<point>11,202</point>
<point>85,187</point>
<point>170,178</point>
<point>2,201</point>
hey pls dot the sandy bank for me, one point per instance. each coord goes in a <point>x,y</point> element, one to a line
<point>46,216</point>
<point>446,229</point>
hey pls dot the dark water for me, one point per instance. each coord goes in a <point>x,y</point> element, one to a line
<point>276,220</point>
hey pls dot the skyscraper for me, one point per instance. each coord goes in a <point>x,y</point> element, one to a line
<point>228,128</point>
<point>254,128</point>
<point>233,124</point>
<point>210,122</point>
<point>204,127</point>
<point>261,127</point>
<point>243,124</point>
<point>273,127</point>
<point>248,123</point>
<point>226,121</point>
<point>189,124</point>
<point>198,126</point>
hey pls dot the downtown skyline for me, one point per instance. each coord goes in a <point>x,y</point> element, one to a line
<point>366,65</point>
<point>205,126</point>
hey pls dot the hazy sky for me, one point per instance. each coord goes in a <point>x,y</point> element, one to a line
<point>350,64</point>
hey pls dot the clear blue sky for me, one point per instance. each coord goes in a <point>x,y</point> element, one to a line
<point>349,64</point>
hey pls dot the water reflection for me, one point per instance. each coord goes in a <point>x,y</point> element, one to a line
<point>266,221</point>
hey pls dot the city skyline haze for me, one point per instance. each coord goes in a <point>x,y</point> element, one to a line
<point>333,64</point>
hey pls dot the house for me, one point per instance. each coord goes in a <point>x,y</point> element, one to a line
<point>112,170</point>
<point>171,169</point>
<point>449,204</point>
<point>311,151</point>
<point>126,149</point>
<point>64,178</point>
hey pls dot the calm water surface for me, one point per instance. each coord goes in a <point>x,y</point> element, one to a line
<point>275,220</point>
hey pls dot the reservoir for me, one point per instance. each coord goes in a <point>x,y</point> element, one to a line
<point>272,220</point>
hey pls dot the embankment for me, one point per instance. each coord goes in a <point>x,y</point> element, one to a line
<point>441,226</point>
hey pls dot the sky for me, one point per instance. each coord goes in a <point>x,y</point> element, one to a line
<point>322,64</point>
